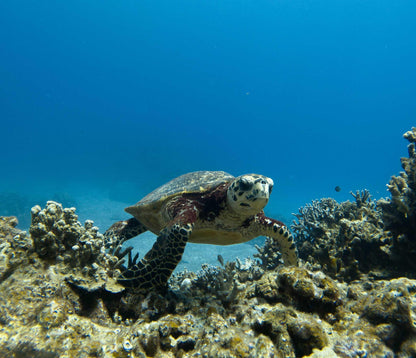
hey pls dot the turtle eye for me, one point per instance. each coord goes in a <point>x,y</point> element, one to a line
<point>245,184</point>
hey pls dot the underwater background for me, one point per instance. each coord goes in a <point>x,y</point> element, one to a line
<point>101,102</point>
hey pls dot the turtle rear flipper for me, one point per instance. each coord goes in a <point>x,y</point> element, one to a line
<point>155,268</point>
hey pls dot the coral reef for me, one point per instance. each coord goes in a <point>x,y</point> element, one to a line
<point>59,296</point>
<point>345,240</point>
<point>376,238</point>
<point>15,246</point>
<point>401,216</point>
<point>236,309</point>
<point>268,254</point>
<point>226,282</point>
<point>399,212</point>
<point>78,251</point>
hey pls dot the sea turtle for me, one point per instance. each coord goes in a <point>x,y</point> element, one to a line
<point>207,207</point>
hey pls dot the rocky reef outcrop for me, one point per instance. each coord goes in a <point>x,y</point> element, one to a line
<point>354,294</point>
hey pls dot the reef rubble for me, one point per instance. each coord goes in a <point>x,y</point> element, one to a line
<point>353,295</point>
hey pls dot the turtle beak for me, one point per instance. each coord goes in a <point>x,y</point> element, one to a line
<point>270,185</point>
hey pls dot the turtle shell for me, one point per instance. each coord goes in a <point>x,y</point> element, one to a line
<point>147,210</point>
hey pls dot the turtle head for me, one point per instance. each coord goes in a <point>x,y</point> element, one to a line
<point>248,194</point>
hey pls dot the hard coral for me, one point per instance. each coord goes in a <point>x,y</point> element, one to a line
<point>57,235</point>
<point>14,246</point>
<point>269,254</point>
<point>54,302</point>
<point>308,291</point>
<point>390,307</point>
<point>344,239</point>
<point>313,218</point>
<point>226,282</point>
<point>399,212</point>
<point>286,312</point>
<point>403,187</point>
<point>378,238</point>
<point>79,251</point>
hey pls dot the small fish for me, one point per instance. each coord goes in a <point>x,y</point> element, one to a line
<point>220,260</point>
<point>337,189</point>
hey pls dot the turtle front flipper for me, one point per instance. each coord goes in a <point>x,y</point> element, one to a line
<point>277,231</point>
<point>155,268</point>
<point>122,231</point>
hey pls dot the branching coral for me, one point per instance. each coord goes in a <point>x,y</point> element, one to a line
<point>399,212</point>
<point>225,282</point>
<point>363,198</point>
<point>313,218</point>
<point>269,254</point>
<point>366,236</point>
<point>344,239</point>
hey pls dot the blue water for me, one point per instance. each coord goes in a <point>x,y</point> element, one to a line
<point>102,101</point>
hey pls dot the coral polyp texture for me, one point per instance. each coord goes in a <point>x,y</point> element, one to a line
<point>353,294</point>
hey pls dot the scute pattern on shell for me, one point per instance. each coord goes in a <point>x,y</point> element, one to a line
<point>194,182</point>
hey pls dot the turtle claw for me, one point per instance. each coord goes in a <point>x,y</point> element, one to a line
<point>132,261</point>
<point>121,254</point>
